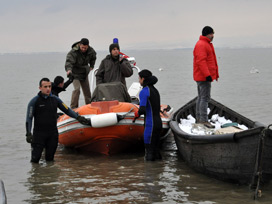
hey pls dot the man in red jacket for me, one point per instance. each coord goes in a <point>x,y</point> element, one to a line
<point>205,71</point>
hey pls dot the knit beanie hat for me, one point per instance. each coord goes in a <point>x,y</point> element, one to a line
<point>114,45</point>
<point>145,73</point>
<point>84,41</point>
<point>207,30</point>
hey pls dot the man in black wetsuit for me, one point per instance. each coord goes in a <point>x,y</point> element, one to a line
<point>150,107</point>
<point>43,108</point>
<point>59,85</point>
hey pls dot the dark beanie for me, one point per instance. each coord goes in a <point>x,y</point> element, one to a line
<point>207,30</point>
<point>84,41</point>
<point>145,73</point>
<point>114,45</point>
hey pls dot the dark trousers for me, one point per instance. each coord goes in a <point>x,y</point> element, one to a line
<point>47,141</point>
<point>152,150</point>
<point>202,102</point>
<point>76,92</point>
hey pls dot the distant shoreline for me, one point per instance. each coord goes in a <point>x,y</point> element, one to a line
<point>134,50</point>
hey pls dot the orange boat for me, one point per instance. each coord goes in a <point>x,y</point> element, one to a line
<point>112,129</point>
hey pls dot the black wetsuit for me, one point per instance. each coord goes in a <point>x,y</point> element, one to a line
<point>56,90</point>
<point>150,107</point>
<point>45,133</point>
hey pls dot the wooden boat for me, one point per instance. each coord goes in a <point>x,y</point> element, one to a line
<point>113,129</point>
<point>243,157</point>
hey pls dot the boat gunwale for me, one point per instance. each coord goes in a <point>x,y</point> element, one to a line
<point>231,137</point>
<point>189,108</point>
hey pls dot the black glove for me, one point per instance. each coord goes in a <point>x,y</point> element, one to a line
<point>71,77</point>
<point>209,78</point>
<point>29,137</point>
<point>82,120</point>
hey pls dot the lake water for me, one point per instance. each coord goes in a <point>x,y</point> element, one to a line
<point>76,178</point>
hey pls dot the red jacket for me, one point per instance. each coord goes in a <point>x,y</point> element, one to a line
<point>205,63</point>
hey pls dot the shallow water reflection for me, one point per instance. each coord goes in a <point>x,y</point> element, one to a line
<point>76,178</point>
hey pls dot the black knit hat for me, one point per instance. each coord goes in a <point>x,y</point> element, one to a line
<point>84,41</point>
<point>145,73</point>
<point>114,45</point>
<point>207,30</point>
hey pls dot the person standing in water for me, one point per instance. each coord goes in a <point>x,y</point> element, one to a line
<point>43,108</point>
<point>150,107</point>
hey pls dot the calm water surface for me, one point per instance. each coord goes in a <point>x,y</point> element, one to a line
<point>77,178</point>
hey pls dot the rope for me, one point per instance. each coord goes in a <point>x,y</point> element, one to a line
<point>259,164</point>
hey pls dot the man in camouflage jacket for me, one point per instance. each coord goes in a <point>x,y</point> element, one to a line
<point>79,62</point>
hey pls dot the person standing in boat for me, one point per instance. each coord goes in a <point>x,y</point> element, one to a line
<point>43,108</point>
<point>150,106</point>
<point>205,71</point>
<point>59,85</point>
<point>113,68</point>
<point>79,62</point>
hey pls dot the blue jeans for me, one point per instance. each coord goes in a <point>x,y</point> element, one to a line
<point>204,96</point>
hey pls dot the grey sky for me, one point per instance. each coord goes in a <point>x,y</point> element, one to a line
<point>54,25</point>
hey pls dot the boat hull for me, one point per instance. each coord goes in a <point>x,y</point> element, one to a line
<point>237,157</point>
<point>123,136</point>
<point>110,140</point>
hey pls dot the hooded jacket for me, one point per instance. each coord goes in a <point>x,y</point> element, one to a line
<point>150,106</point>
<point>111,70</point>
<point>80,63</point>
<point>205,63</point>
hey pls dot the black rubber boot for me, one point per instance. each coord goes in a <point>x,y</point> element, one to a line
<point>158,155</point>
<point>149,153</point>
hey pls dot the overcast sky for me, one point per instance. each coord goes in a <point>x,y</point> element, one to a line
<point>54,25</point>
